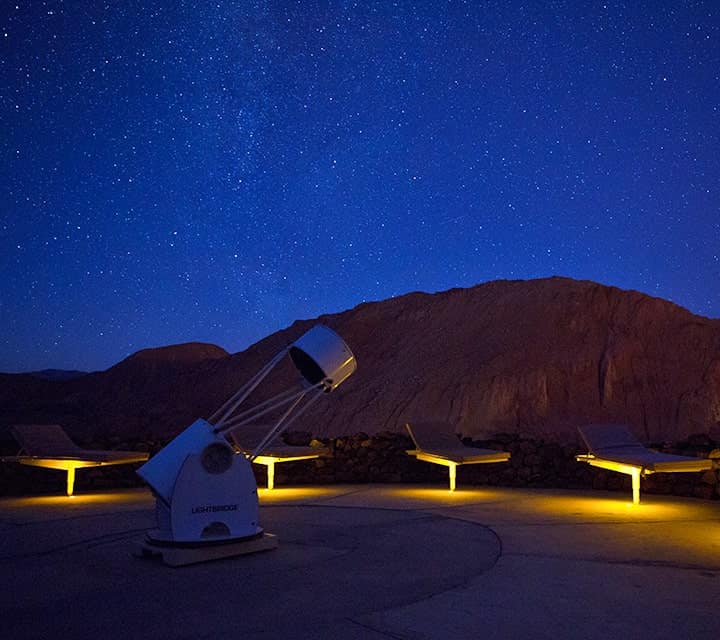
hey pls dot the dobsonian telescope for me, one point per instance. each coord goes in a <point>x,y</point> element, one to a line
<point>205,490</point>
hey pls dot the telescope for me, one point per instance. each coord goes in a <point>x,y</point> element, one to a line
<point>206,499</point>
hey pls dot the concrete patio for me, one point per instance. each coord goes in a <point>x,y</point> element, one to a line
<point>374,561</point>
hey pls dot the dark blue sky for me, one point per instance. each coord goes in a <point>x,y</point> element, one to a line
<point>214,171</point>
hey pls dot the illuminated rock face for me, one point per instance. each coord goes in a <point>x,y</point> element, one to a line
<point>531,357</point>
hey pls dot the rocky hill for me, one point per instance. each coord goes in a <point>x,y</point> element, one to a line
<point>57,374</point>
<point>531,357</point>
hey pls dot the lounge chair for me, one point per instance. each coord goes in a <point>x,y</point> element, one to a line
<point>614,447</point>
<point>47,445</point>
<point>436,442</point>
<point>248,437</point>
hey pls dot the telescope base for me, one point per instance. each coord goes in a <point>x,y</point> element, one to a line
<point>183,553</point>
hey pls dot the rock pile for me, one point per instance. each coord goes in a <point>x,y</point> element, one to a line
<point>534,463</point>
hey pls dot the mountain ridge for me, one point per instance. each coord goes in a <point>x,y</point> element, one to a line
<point>536,357</point>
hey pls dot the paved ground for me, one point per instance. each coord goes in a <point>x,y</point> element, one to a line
<point>373,562</point>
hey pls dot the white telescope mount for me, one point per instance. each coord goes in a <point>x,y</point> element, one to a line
<point>205,490</point>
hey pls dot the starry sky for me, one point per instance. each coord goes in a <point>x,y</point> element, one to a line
<point>213,171</point>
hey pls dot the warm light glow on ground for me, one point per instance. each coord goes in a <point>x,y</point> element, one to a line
<point>438,496</point>
<point>660,530</point>
<point>509,506</point>
<point>600,508</point>
<point>129,497</point>
<point>572,506</point>
<point>297,494</point>
<point>487,504</point>
<point>546,503</point>
<point>388,494</point>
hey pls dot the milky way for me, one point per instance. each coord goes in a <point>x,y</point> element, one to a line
<point>188,171</point>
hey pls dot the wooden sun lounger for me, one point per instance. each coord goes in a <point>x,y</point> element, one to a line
<point>248,437</point>
<point>436,442</point>
<point>47,445</point>
<point>614,447</point>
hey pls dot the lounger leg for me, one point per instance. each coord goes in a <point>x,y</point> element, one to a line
<point>452,468</point>
<point>636,485</point>
<point>70,480</point>
<point>271,475</point>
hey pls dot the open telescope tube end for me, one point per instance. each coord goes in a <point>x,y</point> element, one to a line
<point>322,357</point>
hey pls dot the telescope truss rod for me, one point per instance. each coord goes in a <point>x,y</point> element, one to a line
<point>266,407</point>
<point>281,422</point>
<point>320,391</point>
<point>239,397</point>
<point>244,417</point>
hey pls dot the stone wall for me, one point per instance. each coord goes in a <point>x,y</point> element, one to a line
<point>381,458</point>
<point>534,463</point>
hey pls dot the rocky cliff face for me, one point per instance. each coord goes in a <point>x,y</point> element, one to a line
<point>535,358</point>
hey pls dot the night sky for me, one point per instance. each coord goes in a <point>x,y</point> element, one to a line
<point>213,171</point>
